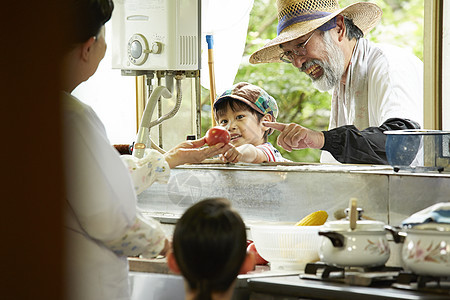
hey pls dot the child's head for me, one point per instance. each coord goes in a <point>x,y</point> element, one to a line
<point>209,247</point>
<point>242,109</point>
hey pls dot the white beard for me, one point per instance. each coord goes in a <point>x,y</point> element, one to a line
<point>333,69</point>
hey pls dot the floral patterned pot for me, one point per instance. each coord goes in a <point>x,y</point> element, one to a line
<point>364,246</point>
<point>426,249</point>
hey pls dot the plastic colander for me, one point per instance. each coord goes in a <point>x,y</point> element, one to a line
<point>286,247</point>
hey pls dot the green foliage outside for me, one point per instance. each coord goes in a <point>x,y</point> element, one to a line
<point>299,102</point>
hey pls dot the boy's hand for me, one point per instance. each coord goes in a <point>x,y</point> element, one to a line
<point>294,136</point>
<point>232,155</point>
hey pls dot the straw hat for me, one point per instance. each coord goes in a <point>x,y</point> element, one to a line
<point>299,17</point>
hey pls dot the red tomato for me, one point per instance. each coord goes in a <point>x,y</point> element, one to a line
<point>217,134</point>
<point>258,259</point>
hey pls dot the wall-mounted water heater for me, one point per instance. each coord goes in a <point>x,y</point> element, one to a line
<point>156,35</point>
<point>159,41</point>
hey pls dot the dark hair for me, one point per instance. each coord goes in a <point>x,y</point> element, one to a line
<point>353,31</point>
<point>209,245</point>
<point>235,105</point>
<point>86,18</point>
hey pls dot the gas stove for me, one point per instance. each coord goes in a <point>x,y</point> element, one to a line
<point>321,281</point>
<point>360,276</point>
<point>387,276</point>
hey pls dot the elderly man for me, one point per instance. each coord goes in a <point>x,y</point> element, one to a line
<point>375,87</point>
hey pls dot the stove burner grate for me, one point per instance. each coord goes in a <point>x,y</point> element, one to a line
<point>433,284</point>
<point>361,276</point>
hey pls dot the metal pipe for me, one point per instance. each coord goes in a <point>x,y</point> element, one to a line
<point>143,136</point>
<point>177,104</point>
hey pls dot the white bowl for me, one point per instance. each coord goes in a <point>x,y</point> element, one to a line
<point>286,247</point>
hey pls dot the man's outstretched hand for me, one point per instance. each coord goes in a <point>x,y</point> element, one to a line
<point>294,136</point>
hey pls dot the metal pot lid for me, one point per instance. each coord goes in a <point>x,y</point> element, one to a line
<point>361,225</point>
<point>425,227</point>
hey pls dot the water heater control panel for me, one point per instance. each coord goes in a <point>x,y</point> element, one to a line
<point>138,49</point>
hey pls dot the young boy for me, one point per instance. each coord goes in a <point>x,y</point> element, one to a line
<point>209,249</point>
<point>242,110</point>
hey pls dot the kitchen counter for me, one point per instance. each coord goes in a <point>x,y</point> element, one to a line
<point>292,287</point>
<point>159,266</point>
<point>150,277</point>
<point>287,192</point>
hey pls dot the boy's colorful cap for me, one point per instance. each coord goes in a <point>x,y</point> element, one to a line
<point>252,95</point>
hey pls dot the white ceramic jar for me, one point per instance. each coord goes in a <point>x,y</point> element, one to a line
<point>364,246</point>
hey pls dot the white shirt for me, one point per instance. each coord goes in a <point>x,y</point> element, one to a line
<point>383,82</point>
<point>272,154</point>
<point>100,210</point>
